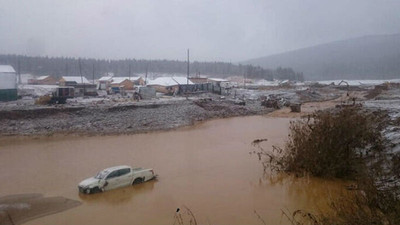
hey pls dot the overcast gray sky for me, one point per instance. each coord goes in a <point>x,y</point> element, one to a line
<point>223,30</point>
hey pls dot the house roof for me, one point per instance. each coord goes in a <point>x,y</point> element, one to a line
<point>135,78</point>
<point>42,77</point>
<point>6,69</point>
<point>169,81</point>
<point>76,79</point>
<point>106,78</point>
<point>117,80</point>
<point>182,80</point>
<point>218,80</point>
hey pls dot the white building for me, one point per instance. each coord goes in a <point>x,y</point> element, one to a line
<point>8,83</point>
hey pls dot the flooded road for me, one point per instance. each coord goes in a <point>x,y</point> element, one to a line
<point>206,168</point>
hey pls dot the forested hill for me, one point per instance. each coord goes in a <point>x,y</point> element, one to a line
<point>369,57</point>
<point>59,66</point>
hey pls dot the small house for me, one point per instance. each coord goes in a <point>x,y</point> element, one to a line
<point>104,82</point>
<point>8,83</point>
<point>219,86</point>
<point>123,82</point>
<point>168,85</point>
<point>80,84</point>
<point>139,81</point>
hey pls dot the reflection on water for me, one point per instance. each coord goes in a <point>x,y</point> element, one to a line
<point>206,168</point>
<point>120,195</point>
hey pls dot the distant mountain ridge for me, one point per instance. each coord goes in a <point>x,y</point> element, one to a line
<point>368,57</point>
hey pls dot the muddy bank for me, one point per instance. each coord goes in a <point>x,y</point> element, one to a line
<point>123,119</point>
<point>99,117</point>
<point>17,209</point>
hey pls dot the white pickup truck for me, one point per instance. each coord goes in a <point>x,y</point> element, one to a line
<point>115,177</point>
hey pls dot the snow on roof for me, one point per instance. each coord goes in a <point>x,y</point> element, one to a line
<point>6,69</point>
<point>117,80</point>
<point>284,82</point>
<point>106,78</point>
<point>120,79</point>
<point>76,79</point>
<point>163,81</point>
<point>135,78</point>
<point>42,77</point>
<point>169,81</point>
<point>182,80</point>
<point>218,80</point>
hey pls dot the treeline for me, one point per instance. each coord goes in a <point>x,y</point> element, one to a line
<point>67,66</point>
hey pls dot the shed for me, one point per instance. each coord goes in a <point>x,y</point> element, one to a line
<point>104,82</point>
<point>219,86</point>
<point>8,83</point>
<point>137,80</point>
<point>81,85</point>
<point>122,82</point>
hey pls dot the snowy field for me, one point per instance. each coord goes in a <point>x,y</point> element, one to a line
<point>36,90</point>
<point>358,82</point>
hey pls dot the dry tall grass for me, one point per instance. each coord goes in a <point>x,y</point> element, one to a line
<point>345,143</point>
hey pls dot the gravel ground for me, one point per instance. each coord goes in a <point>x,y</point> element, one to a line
<point>126,118</point>
<point>99,116</point>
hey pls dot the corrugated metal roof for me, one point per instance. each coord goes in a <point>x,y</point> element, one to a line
<point>169,81</point>
<point>6,69</point>
<point>218,80</point>
<point>182,80</point>
<point>117,80</point>
<point>42,77</point>
<point>106,78</point>
<point>76,79</point>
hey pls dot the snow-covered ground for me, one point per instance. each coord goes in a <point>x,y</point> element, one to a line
<point>393,108</point>
<point>357,82</point>
<point>35,90</point>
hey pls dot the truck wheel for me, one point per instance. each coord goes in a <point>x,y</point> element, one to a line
<point>96,190</point>
<point>137,181</point>
<point>87,191</point>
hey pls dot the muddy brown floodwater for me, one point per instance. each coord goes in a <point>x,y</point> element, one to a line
<point>206,168</point>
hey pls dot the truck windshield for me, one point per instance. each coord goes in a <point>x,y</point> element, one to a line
<point>101,175</point>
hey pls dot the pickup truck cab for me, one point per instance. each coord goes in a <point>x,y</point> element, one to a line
<point>115,177</point>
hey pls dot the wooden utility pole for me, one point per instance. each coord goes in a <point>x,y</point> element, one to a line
<point>66,68</point>
<point>80,72</point>
<point>147,69</point>
<point>129,71</point>
<point>244,80</point>
<point>188,62</point>
<point>19,70</point>
<point>93,73</point>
